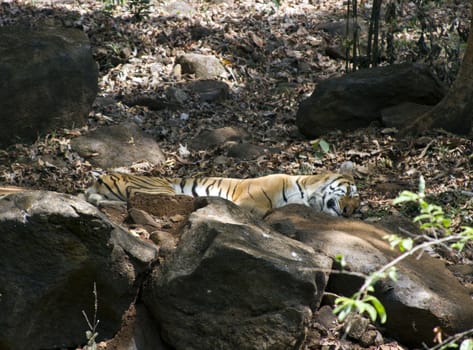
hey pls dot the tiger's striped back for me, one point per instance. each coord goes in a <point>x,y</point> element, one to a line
<point>121,187</point>
<point>332,193</point>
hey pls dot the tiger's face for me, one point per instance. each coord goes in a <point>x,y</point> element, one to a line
<point>339,198</point>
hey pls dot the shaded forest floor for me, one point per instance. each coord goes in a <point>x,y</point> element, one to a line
<point>274,58</point>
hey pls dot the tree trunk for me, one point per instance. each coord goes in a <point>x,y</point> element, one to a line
<point>454,112</point>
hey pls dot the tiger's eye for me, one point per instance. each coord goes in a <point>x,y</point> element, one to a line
<point>331,203</point>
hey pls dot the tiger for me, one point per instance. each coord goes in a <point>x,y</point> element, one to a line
<point>7,190</point>
<point>332,193</point>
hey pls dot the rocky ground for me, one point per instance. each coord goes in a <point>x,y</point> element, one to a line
<point>273,58</point>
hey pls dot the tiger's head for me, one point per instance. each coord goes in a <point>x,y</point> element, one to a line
<point>336,195</point>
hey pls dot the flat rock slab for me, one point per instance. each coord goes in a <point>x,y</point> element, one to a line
<point>233,283</point>
<point>210,90</point>
<point>356,99</point>
<point>55,247</point>
<point>48,81</point>
<point>118,146</point>
<point>245,151</point>
<point>426,294</point>
<point>209,139</point>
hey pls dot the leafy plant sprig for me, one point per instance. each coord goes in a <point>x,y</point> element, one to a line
<point>431,218</point>
<point>91,334</point>
<point>320,147</point>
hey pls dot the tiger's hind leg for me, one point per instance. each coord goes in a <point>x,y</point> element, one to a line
<point>98,200</point>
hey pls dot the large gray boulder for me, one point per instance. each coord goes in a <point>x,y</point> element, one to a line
<point>426,294</point>
<point>356,99</point>
<point>233,283</point>
<point>54,248</point>
<point>48,80</point>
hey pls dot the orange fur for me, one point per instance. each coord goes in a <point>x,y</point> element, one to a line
<point>332,193</point>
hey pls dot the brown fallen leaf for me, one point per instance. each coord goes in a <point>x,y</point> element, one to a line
<point>257,40</point>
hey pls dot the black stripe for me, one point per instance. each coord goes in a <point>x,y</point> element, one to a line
<point>146,184</point>
<point>194,185</point>
<point>207,190</point>
<point>300,188</point>
<point>284,189</point>
<point>182,184</point>
<point>116,192</point>
<point>322,205</point>
<point>268,198</point>
<point>219,183</point>
<point>115,179</point>
<point>331,182</point>
<point>234,189</point>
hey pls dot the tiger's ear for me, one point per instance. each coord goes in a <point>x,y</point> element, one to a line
<point>347,168</point>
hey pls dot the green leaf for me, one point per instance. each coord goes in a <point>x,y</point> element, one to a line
<point>342,311</point>
<point>458,245</point>
<point>392,273</point>
<point>422,217</point>
<point>341,260</point>
<point>393,240</point>
<point>380,310</point>
<point>467,231</point>
<point>406,196</point>
<point>320,147</point>
<point>446,222</point>
<point>467,344</point>
<point>449,346</point>
<point>362,306</point>
<point>406,244</point>
<point>345,305</point>
<point>324,146</point>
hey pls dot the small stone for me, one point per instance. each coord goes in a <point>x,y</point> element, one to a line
<point>210,90</point>
<point>177,218</point>
<point>203,66</point>
<point>245,151</point>
<point>325,317</point>
<point>165,241</point>
<point>355,325</point>
<point>141,217</point>
<point>371,337</point>
<point>177,71</point>
<point>176,96</point>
